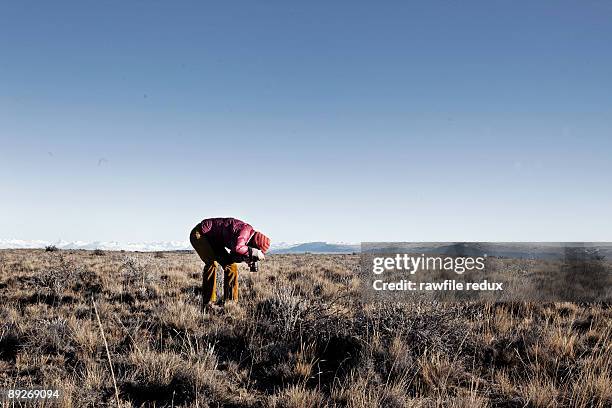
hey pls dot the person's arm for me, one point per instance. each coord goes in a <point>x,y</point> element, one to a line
<point>242,251</point>
<point>241,247</point>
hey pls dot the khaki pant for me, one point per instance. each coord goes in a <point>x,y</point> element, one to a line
<point>213,255</point>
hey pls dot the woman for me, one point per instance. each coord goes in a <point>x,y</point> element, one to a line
<point>210,238</point>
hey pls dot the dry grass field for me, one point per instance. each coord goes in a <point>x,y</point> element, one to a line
<point>297,338</point>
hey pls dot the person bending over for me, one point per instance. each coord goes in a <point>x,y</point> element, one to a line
<point>210,238</point>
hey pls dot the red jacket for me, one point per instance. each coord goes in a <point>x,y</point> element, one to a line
<point>229,232</point>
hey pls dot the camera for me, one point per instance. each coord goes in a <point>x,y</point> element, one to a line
<point>252,261</point>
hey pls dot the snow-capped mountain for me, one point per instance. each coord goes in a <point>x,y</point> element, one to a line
<point>107,246</point>
<point>319,248</point>
<point>280,247</point>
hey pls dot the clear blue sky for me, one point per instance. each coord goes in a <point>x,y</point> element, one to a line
<point>312,120</point>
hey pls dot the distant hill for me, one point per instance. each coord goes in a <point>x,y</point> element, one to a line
<point>318,248</point>
<point>517,250</point>
<point>277,248</point>
<point>106,245</point>
<point>525,250</point>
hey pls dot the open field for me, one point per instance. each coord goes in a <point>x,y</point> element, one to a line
<point>298,338</point>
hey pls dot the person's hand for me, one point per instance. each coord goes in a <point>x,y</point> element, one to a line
<point>258,255</point>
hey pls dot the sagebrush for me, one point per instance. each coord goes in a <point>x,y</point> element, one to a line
<point>298,337</point>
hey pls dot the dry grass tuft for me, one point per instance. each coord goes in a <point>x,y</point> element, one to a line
<point>298,338</point>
